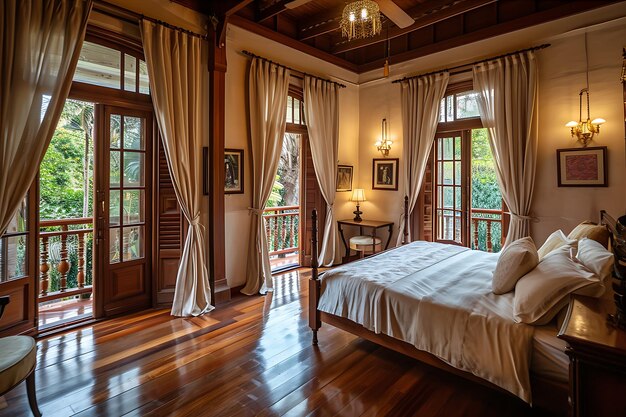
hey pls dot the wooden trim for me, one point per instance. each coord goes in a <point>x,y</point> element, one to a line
<point>292,43</point>
<point>110,96</point>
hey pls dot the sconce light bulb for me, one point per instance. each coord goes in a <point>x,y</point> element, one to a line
<point>598,121</point>
<point>572,124</point>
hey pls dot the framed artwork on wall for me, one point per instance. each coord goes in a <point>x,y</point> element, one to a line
<point>385,174</point>
<point>233,171</point>
<point>344,177</point>
<point>582,167</point>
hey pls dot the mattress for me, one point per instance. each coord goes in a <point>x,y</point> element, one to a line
<point>548,356</point>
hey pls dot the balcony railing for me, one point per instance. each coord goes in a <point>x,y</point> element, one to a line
<point>66,248</point>
<point>282,229</point>
<point>487,230</point>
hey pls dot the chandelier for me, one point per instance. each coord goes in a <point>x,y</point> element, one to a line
<point>584,130</point>
<point>360,19</point>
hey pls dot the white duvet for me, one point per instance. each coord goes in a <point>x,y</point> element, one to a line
<point>438,298</point>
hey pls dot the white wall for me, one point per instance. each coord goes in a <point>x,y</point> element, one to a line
<point>561,76</point>
<point>237,132</point>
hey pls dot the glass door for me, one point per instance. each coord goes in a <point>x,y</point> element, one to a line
<point>124,210</point>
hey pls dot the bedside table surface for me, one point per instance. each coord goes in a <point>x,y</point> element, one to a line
<point>586,324</point>
<point>365,223</point>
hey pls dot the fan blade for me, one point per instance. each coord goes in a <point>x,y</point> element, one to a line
<point>395,13</point>
<point>296,3</point>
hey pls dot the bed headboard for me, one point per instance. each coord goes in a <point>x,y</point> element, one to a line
<point>618,243</point>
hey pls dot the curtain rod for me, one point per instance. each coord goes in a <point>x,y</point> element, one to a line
<point>301,73</point>
<point>177,28</point>
<point>534,48</point>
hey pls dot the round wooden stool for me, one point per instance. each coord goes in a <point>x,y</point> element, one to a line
<point>365,245</point>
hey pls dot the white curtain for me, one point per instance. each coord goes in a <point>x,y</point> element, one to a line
<point>177,65</point>
<point>508,109</point>
<point>321,110</point>
<point>420,99</point>
<point>41,42</point>
<point>268,89</point>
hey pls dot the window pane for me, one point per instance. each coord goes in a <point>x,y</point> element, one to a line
<point>130,73</point>
<point>98,65</point>
<point>115,131</point>
<point>18,223</point>
<point>458,198</point>
<point>114,246</point>
<point>289,109</point>
<point>457,173</point>
<point>114,208</point>
<point>144,81</point>
<point>457,148</point>
<point>133,169</point>
<point>114,169</point>
<point>296,111</point>
<point>485,189</point>
<point>448,168</point>
<point>133,243</point>
<point>448,225</point>
<point>457,227</point>
<point>133,133</point>
<point>133,206</point>
<point>448,197</point>
<point>467,105</point>
<point>450,109</point>
<point>13,257</point>
<point>439,172</point>
<point>448,148</point>
<point>439,196</point>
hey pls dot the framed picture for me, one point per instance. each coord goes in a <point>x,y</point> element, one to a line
<point>582,167</point>
<point>385,174</point>
<point>233,171</point>
<point>344,177</point>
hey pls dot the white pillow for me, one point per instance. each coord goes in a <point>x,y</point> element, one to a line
<point>544,291</point>
<point>555,241</point>
<point>595,257</point>
<point>515,260</point>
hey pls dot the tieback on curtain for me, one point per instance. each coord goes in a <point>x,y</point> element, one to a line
<point>258,212</point>
<point>520,217</point>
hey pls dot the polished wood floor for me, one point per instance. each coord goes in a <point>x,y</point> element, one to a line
<point>62,312</point>
<point>252,356</point>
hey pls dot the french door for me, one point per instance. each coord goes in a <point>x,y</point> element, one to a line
<point>123,214</point>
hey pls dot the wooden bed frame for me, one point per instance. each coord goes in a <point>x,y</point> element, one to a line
<point>549,395</point>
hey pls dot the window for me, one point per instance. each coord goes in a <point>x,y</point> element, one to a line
<point>14,244</point>
<point>107,67</point>
<point>467,206</point>
<point>295,111</point>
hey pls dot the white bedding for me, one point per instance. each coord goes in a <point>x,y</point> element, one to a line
<point>438,298</point>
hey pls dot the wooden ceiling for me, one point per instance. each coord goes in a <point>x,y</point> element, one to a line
<point>439,24</point>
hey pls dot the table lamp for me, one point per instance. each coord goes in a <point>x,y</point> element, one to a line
<point>358,195</point>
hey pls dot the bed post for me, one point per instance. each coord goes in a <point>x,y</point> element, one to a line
<point>405,238</point>
<point>314,284</point>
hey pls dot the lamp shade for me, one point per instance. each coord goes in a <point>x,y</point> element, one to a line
<point>358,195</point>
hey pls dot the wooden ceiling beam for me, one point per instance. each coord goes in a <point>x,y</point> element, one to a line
<point>290,42</point>
<point>425,15</point>
<point>320,24</point>
<point>272,10</point>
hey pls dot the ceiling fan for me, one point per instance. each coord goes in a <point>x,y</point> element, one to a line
<point>387,7</point>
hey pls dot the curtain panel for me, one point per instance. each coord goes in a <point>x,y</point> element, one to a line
<point>41,43</point>
<point>507,103</point>
<point>177,65</point>
<point>268,89</point>
<point>420,98</point>
<point>321,109</point>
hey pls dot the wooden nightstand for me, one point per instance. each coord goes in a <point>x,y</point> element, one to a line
<point>597,352</point>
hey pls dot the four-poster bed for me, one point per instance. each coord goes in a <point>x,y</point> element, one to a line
<point>549,387</point>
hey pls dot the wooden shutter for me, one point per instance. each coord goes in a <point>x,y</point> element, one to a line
<point>422,217</point>
<point>170,233</point>
<point>313,199</point>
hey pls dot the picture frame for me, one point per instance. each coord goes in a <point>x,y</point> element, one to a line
<point>344,177</point>
<point>233,171</point>
<point>582,167</point>
<point>385,174</point>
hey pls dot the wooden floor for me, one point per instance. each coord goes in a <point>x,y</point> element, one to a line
<point>252,356</point>
<point>66,311</point>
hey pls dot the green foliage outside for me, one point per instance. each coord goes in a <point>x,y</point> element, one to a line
<point>485,190</point>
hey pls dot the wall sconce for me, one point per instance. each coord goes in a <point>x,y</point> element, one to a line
<point>584,130</point>
<point>384,144</point>
<point>358,195</point>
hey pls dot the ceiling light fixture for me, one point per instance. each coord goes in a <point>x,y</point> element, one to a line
<point>360,19</point>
